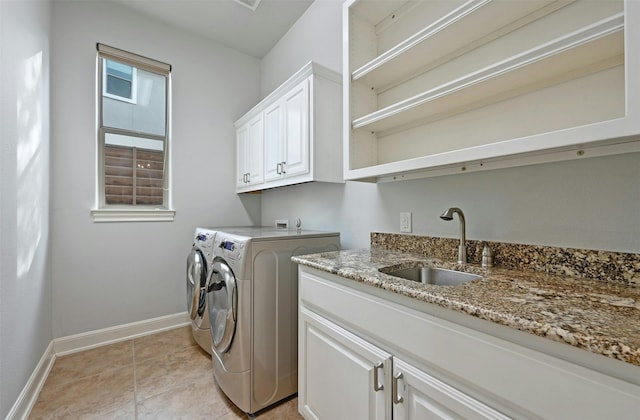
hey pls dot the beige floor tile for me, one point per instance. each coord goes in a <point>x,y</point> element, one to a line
<point>108,392</point>
<point>160,374</point>
<point>233,411</point>
<point>167,374</point>
<point>89,362</point>
<point>127,412</point>
<point>287,410</point>
<point>234,416</point>
<point>162,343</point>
<point>195,400</point>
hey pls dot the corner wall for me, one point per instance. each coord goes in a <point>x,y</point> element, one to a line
<point>591,203</point>
<point>25,251</point>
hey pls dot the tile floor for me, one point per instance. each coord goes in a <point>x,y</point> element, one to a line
<point>160,376</point>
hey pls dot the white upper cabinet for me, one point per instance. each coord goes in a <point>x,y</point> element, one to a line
<point>249,152</point>
<point>273,139</point>
<point>301,132</point>
<point>287,135</point>
<point>433,87</point>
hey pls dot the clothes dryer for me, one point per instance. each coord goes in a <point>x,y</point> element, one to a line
<point>199,263</point>
<point>252,301</point>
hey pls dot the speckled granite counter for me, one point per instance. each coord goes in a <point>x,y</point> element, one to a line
<point>598,316</point>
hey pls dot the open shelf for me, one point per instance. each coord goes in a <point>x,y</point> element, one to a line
<point>579,143</point>
<point>592,48</point>
<point>433,86</point>
<point>484,20</point>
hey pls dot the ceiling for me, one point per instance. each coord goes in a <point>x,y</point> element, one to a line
<point>226,21</point>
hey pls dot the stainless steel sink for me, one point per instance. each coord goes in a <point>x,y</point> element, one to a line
<point>432,275</point>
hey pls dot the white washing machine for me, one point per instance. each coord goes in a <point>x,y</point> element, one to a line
<point>252,301</point>
<point>198,269</point>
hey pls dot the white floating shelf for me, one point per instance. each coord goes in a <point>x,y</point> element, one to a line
<point>573,143</point>
<point>483,20</point>
<point>592,48</point>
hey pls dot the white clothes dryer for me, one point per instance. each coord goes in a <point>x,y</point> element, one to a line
<point>252,299</point>
<point>198,269</point>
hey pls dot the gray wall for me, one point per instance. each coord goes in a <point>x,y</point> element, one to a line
<point>25,251</point>
<point>592,203</point>
<point>108,274</point>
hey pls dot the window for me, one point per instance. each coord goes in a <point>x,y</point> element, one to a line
<point>133,152</point>
<point>119,81</point>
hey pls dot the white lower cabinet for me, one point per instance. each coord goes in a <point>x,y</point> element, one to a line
<point>417,395</point>
<point>346,377</point>
<point>366,354</point>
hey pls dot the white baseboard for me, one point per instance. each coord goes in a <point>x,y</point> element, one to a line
<point>97,338</point>
<point>85,341</point>
<point>29,395</point>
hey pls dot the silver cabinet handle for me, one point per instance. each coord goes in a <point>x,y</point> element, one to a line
<point>376,383</point>
<point>397,398</point>
<point>280,168</point>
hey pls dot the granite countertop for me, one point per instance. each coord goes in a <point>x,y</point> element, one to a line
<point>601,317</point>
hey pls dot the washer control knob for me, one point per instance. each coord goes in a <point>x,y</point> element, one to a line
<point>228,245</point>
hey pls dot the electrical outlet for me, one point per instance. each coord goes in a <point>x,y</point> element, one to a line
<point>405,222</point>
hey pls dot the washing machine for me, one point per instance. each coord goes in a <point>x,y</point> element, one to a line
<point>199,263</point>
<point>252,299</point>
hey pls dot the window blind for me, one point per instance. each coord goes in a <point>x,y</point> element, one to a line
<point>139,61</point>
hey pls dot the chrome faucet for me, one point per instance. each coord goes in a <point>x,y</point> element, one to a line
<point>462,248</point>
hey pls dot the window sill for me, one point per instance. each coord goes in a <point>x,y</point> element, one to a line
<point>132,215</point>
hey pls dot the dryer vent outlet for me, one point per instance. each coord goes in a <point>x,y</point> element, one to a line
<point>282,224</point>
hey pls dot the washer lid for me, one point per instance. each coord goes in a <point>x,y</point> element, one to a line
<point>196,282</point>
<point>222,301</point>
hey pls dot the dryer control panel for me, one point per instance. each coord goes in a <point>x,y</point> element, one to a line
<point>229,247</point>
<point>203,239</point>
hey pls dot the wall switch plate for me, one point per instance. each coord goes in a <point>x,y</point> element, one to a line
<point>405,222</point>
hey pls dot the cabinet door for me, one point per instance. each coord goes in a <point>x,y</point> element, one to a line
<point>338,373</point>
<point>417,395</point>
<point>254,151</point>
<point>273,141</point>
<point>241,160</point>
<point>296,131</point>
<point>249,154</point>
